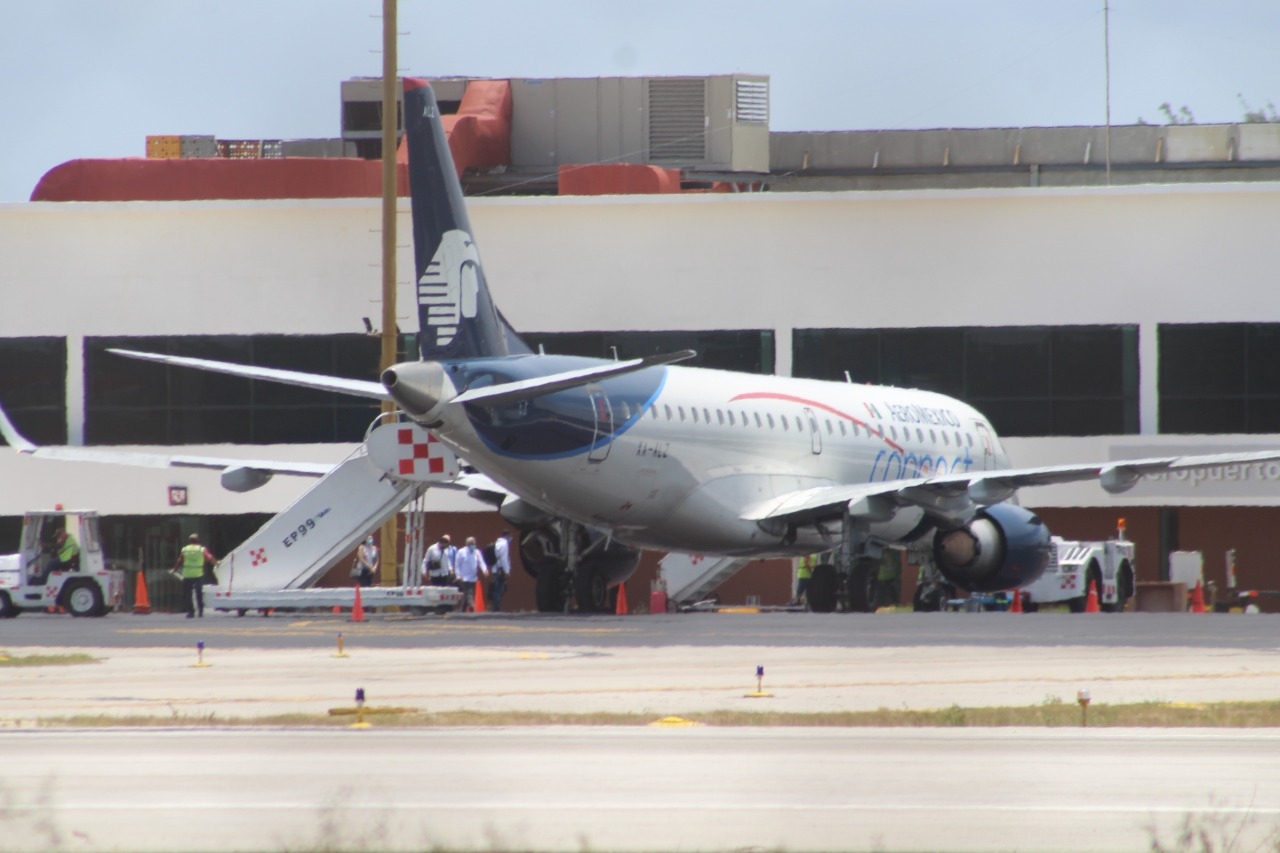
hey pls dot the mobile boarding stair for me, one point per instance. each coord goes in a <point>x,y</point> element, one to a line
<point>276,567</point>
<point>691,578</point>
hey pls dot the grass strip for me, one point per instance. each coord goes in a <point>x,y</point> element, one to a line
<point>45,660</point>
<point>1048,715</point>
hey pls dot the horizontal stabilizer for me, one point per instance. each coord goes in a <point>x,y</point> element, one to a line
<point>501,395</point>
<point>354,387</point>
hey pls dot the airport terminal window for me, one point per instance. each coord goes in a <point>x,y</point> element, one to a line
<point>33,386</point>
<point>748,350</point>
<point>1029,380</point>
<point>136,402</point>
<point>1219,377</point>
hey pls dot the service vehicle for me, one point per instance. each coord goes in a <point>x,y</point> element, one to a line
<point>37,579</point>
<point>1108,565</point>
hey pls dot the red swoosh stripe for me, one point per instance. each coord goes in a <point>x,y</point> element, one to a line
<point>763,395</point>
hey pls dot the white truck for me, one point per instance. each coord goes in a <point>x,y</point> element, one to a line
<point>1108,565</point>
<point>35,579</point>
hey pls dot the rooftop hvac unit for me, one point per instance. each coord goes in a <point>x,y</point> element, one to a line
<point>715,123</point>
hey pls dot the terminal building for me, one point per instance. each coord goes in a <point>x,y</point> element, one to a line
<point>1099,294</point>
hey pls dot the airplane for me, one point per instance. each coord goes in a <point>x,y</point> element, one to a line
<point>594,460</point>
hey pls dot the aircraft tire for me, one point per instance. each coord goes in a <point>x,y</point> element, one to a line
<point>822,589</point>
<point>862,586</point>
<point>8,610</point>
<point>591,591</point>
<point>547,589</point>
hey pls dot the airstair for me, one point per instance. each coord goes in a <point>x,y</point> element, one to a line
<point>304,541</point>
<point>693,577</point>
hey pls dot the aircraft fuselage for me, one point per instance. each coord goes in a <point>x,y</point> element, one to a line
<point>671,457</point>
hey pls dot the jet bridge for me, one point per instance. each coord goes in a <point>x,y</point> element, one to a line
<point>299,545</point>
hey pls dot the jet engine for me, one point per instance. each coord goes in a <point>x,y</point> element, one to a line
<point>1001,547</point>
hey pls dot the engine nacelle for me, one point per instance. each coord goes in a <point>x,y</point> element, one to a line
<point>1003,546</point>
<point>244,479</point>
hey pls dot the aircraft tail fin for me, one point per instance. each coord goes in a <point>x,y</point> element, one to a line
<point>457,317</point>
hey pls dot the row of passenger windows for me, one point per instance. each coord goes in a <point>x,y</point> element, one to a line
<point>727,417</point>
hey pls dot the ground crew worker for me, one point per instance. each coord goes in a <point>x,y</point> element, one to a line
<point>889,579</point>
<point>803,573</point>
<point>62,553</point>
<point>191,560</point>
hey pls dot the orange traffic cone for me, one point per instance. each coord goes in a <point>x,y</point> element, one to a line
<point>1091,600</point>
<point>622,609</point>
<point>1016,607</point>
<point>1197,599</point>
<point>141,602</point>
<point>357,610</point>
<point>337,608</point>
<point>479,603</point>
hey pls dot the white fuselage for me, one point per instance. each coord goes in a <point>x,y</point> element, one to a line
<point>711,444</point>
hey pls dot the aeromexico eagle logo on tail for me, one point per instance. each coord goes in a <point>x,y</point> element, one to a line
<point>448,289</point>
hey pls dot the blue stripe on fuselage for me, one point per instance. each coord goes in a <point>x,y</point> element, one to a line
<point>557,425</point>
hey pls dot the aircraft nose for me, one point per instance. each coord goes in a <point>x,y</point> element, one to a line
<point>417,386</point>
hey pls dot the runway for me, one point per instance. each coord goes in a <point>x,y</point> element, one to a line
<point>187,788</point>
<point>636,789</point>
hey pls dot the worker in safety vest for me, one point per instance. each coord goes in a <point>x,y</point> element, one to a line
<point>803,573</point>
<point>191,562</point>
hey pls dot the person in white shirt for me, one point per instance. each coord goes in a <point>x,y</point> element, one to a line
<point>469,565</point>
<point>437,565</point>
<point>500,569</point>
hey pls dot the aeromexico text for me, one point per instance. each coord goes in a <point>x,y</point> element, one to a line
<point>922,415</point>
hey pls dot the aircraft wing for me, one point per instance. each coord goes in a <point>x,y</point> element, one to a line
<point>956,494</point>
<point>354,387</point>
<point>236,471</point>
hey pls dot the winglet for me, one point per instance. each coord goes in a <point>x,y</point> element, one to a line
<point>16,440</point>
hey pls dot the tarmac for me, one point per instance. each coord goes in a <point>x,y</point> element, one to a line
<point>181,683</point>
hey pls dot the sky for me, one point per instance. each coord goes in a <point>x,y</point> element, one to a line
<point>93,78</point>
